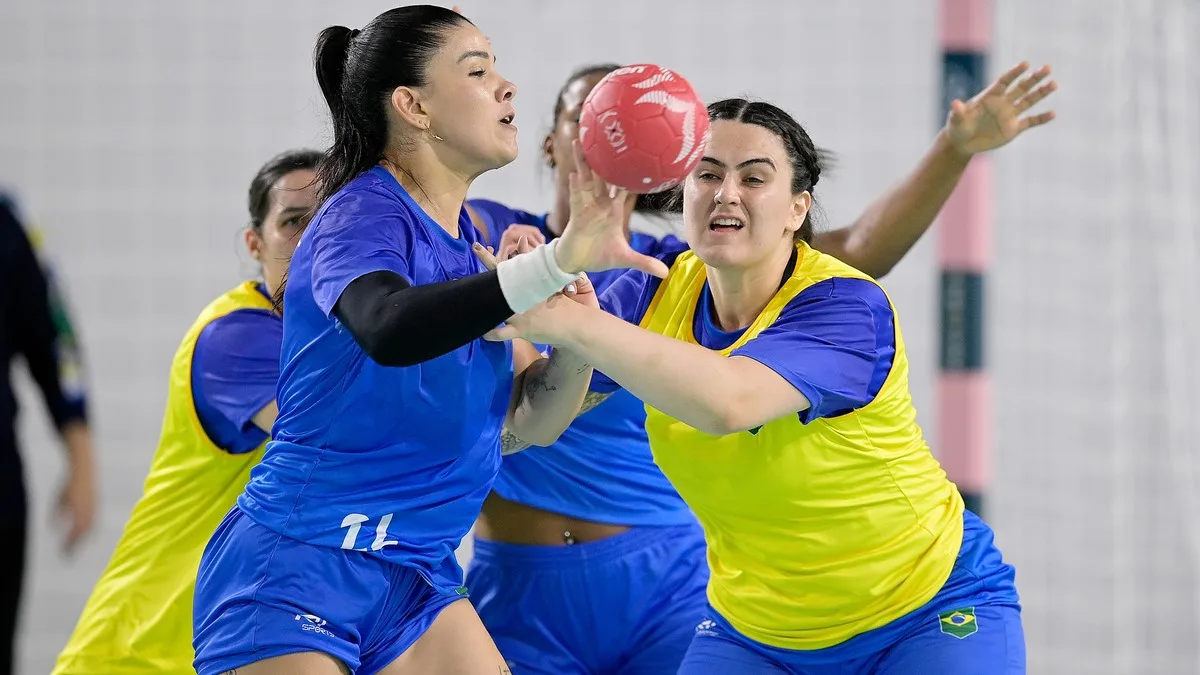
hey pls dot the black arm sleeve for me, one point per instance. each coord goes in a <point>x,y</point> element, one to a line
<point>398,324</point>
<point>32,327</point>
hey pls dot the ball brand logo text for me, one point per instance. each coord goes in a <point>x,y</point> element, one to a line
<point>613,130</point>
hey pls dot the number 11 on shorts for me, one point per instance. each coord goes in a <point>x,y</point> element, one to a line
<point>353,523</point>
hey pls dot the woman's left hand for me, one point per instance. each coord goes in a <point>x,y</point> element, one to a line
<point>996,115</point>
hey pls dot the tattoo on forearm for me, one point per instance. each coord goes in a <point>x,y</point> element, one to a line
<point>593,399</point>
<point>537,382</point>
<point>510,442</point>
<point>538,378</point>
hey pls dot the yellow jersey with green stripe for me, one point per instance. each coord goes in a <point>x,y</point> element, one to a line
<point>821,525</point>
<point>138,619</point>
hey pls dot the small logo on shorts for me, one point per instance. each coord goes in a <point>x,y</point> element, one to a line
<point>958,622</point>
<point>461,590</point>
<point>706,627</point>
<point>313,623</point>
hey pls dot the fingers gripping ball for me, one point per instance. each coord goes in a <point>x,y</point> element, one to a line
<point>643,128</point>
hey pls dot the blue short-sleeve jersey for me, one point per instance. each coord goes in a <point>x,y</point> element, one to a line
<point>393,461</point>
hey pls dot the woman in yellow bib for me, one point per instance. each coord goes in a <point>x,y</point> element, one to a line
<point>776,386</point>
<point>220,408</point>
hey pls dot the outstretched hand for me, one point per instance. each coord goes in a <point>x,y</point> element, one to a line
<point>996,115</point>
<point>595,237</point>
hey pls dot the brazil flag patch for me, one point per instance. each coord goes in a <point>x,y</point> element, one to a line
<point>958,622</point>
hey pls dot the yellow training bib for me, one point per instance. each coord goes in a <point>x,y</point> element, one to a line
<point>816,532</point>
<point>138,620</point>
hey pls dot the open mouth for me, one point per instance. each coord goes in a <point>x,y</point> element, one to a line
<point>507,120</point>
<point>725,224</point>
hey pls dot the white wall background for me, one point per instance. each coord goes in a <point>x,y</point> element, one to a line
<point>131,130</point>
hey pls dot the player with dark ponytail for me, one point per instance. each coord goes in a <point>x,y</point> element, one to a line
<point>340,553</point>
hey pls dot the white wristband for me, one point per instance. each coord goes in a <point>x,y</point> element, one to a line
<point>530,278</point>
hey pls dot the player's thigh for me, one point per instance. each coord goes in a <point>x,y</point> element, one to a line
<point>304,663</point>
<point>995,646</point>
<point>456,642</point>
<point>261,596</point>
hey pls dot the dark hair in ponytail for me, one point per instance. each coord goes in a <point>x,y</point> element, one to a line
<point>359,69</point>
<point>806,159</point>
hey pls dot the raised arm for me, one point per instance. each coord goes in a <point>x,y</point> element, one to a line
<point>893,223</point>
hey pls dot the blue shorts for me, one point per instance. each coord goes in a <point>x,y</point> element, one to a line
<point>971,627</point>
<point>627,604</point>
<point>260,595</point>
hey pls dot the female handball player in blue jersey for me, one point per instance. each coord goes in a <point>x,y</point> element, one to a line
<point>776,388</point>
<point>339,556</point>
<point>220,408</point>
<point>590,529</point>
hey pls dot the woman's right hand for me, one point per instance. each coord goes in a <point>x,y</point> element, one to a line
<point>552,322</point>
<point>594,239</point>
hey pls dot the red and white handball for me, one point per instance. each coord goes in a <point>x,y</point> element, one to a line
<point>643,128</point>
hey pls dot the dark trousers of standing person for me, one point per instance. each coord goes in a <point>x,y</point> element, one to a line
<point>12,577</point>
<point>13,542</point>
